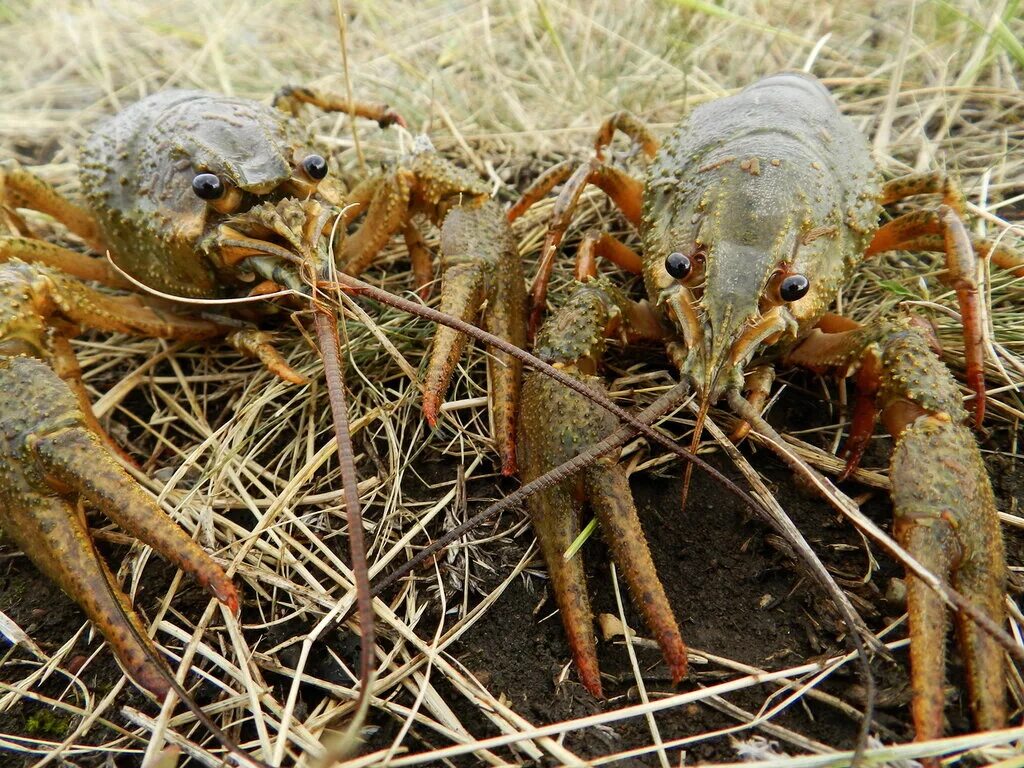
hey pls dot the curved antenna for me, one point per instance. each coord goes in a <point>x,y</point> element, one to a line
<point>326,325</point>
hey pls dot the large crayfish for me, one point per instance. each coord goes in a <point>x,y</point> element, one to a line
<point>205,197</point>
<point>752,215</point>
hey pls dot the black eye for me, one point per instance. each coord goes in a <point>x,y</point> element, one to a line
<point>315,167</point>
<point>678,265</point>
<point>207,186</point>
<point>794,287</point>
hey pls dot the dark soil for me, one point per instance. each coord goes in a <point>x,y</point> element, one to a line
<point>736,591</point>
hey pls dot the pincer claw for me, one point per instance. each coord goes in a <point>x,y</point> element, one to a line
<point>50,461</point>
<point>556,424</point>
<point>946,518</point>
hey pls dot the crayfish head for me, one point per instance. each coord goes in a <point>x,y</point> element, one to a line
<point>729,283</point>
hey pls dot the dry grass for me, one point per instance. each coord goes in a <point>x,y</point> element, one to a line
<point>246,461</point>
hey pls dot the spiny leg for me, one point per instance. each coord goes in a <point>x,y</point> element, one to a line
<point>427,183</point>
<point>540,187</point>
<point>943,230</point>
<point>21,189</point>
<point>77,264</point>
<point>386,213</point>
<point>944,507</point>
<point>134,314</point>
<point>290,97</point>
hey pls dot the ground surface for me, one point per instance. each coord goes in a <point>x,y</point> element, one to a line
<point>506,89</point>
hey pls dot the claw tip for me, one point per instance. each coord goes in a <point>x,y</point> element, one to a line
<point>431,407</point>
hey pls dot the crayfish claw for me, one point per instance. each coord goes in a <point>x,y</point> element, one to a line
<point>51,462</point>
<point>946,518</point>
<point>484,278</point>
<point>557,424</point>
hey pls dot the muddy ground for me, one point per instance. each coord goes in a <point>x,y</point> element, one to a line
<point>736,592</point>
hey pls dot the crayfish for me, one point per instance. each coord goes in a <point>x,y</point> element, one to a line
<point>753,214</point>
<point>197,201</point>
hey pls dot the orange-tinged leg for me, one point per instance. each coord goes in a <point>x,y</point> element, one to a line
<point>944,507</point>
<point>427,183</point>
<point>758,385</point>
<point>944,230</point>
<point>1002,256</point>
<point>627,194</point>
<point>259,346</point>
<point>633,127</point>
<point>290,97</point>
<point>485,268</point>
<point>540,187</point>
<point>865,414</point>
<point>21,189</point>
<point>961,269</point>
<point>597,245</point>
<point>386,213</point>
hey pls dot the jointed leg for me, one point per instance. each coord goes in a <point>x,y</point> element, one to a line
<point>426,184</point>
<point>291,96</point>
<point>22,189</point>
<point>944,230</point>
<point>602,245</point>
<point>625,192</point>
<point>386,213</point>
<point>758,385</point>
<point>944,506</point>
<point>632,126</point>
<point>76,264</point>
